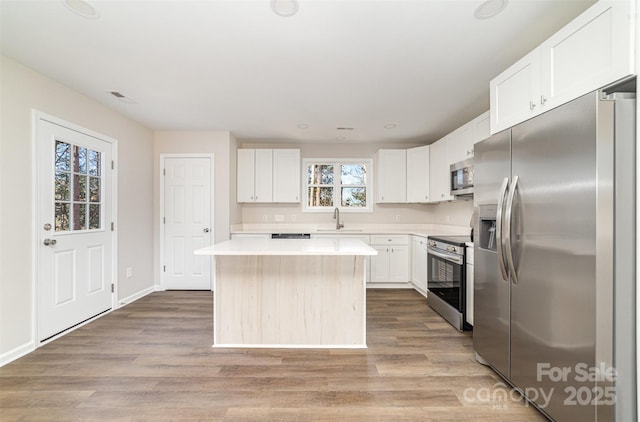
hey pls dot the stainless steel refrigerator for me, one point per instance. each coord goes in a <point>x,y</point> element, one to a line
<point>555,258</point>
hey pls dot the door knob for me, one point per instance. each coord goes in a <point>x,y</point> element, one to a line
<point>50,242</point>
<point>206,230</point>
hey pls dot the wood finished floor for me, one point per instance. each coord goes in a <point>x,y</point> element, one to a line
<point>152,360</point>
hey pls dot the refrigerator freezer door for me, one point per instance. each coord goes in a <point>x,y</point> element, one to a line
<point>491,291</point>
<point>553,238</point>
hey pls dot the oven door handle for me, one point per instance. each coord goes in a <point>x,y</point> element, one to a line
<point>451,258</point>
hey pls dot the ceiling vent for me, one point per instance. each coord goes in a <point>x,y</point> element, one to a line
<point>121,97</point>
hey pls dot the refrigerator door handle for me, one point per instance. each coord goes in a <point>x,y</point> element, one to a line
<point>508,217</point>
<point>499,240</point>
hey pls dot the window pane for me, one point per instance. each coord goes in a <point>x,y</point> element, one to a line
<point>79,216</point>
<point>79,159</point>
<point>94,163</point>
<point>320,196</point>
<point>94,189</point>
<point>63,156</point>
<point>320,174</point>
<point>62,186</point>
<point>353,174</point>
<point>79,188</point>
<point>62,217</point>
<point>354,197</point>
<point>94,216</point>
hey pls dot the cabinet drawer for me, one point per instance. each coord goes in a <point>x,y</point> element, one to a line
<point>389,239</point>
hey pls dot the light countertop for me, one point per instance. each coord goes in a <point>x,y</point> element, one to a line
<point>289,247</point>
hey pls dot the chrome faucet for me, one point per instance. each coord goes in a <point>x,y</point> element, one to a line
<point>336,216</point>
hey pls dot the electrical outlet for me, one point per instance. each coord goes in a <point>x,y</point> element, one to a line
<point>397,218</point>
<point>129,272</point>
<point>278,217</point>
<point>293,217</point>
<point>265,217</point>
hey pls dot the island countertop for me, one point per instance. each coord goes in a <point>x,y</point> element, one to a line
<point>295,247</point>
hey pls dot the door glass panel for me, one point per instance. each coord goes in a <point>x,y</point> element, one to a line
<point>63,156</point>
<point>62,217</point>
<point>94,163</point>
<point>63,193</point>
<point>79,216</point>
<point>94,189</point>
<point>79,188</point>
<point>94,216</point>
<point>79,159</point>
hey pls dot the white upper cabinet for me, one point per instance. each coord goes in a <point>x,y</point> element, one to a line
<point>266,175</point>
<point>391,176</point>
<point>286,175</point>
<point>593,50</point>
<point>462,139</point>
<point>589,53</point>
<point>418,174</point>
<point>439,155</point>
<point>514,93</point>
<point>481,127</point>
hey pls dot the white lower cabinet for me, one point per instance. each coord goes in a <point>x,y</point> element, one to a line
<point>363,237</point>
<point>264,236</point>
<point>419,262</point>
<point>391,265</point>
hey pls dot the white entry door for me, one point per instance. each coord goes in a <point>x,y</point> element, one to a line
<point>186,222</point>
<point>75,251</point>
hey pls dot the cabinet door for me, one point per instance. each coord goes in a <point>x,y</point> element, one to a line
<point>439,186</point>
<point>588,53</point>
<point>399,264</point>
<point>263,180</point>
<point>380,264</point>
<point>418,174</point>
<point>481,127</point>
<point>515,93</point>
<point>419,262</point>
<point>462,143</point>
<point>245,175</point>
<point>392,176</point>
<point>286,175</point>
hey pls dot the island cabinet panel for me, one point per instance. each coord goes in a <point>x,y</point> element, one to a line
<point>290,301</point>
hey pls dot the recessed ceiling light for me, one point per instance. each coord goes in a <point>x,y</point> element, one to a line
<point>303,126</point>
<point>389,126</point>
<point>82,8</point>
<point>490,8</point>
<point>285,8</point>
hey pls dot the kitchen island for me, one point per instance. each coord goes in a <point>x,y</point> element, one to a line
<point>289,292</point>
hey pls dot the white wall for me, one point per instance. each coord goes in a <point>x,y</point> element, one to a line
<point>22,91</point>
<point>453,213</point>
<point>223,146</point>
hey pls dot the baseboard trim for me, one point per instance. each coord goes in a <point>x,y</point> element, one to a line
<point>16,353</point>
<point>142,293</point>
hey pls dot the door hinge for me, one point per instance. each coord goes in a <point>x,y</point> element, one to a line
<point>113,226</point>
<point>113,288</point>
<point>164,220</point>
<point>164,268</point>
<point>164,172</point>
<point>113,165</point>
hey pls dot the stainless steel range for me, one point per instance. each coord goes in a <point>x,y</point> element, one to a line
<point>447,278</point>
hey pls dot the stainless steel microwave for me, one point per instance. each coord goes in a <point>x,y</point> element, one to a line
<point>461,177</point>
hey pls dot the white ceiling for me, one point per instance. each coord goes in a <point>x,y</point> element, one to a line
<point>424,66</point>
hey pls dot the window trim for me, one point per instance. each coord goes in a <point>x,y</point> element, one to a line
<point>368,162</point>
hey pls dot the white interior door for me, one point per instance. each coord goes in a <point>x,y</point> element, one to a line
<point>187,222</point>
<point>75,252</point>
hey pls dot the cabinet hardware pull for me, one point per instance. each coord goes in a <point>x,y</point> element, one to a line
<point>532,105</point>
<point>543,100</point>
